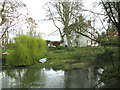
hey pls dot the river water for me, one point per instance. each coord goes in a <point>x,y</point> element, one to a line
<point>47,78</point>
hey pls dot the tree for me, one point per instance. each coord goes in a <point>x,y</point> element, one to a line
<point>27,51</point>
<point>65,13</point>
<point>112,10</point>
<point>11,16</point>
<point>32,25</point>
<point>79,26</point>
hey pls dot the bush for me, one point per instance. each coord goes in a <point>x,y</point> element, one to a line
<point>110,77</point>
<point>27,50</point>
<point>107,57</point>
<point>61,48</point>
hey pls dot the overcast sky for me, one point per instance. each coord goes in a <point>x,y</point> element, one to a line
<point>46,27</point>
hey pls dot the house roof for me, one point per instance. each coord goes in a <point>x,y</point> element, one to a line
<point>113,34</point>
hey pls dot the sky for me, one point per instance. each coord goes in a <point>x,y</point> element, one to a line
<point>47,27</point>
<point>39,14</point>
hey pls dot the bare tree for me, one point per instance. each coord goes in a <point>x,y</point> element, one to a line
<point>10,17</point>
<point>32,25</point>
<point>65,13</point>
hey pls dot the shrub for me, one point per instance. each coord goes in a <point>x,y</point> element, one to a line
<point>27,50</point>
<point>110,77</point>
<point>104,58</point>
<point>61,48</point>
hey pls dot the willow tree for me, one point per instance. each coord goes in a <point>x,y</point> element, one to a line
<point>65,13</point>
<point>27,50</point>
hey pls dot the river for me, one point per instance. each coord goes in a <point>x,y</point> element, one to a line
<point>47,78</point>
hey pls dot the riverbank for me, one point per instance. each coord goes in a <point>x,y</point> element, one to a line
<point>57,65</point>
<point>61,65</point>
<point>60,58</point>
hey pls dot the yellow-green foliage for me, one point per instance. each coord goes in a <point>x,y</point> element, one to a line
<point>27,50</point>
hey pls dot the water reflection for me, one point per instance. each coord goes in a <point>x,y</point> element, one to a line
<point>47,78</point>
<point>0,80</point>
<point>80,79</point>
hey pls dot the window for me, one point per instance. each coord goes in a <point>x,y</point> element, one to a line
<point>76,43</point>
<point>77,36</point>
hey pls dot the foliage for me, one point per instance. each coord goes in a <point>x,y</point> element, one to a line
<point>27,50</point>
<point>112,11</point>
<point>112,41</point>
<point>5,56</point>
<point>110,78</point>
<point>109,38</point>
<point>104,58</point>
<point>107,59</point>
<point>61,48</point>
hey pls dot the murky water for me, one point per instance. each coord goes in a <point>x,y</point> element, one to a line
<point>47,78</point>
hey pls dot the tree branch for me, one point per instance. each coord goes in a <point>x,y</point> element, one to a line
<point>93,12</point>
<point>109,14</point>
<point>112,13</point>
<point>87,36</point>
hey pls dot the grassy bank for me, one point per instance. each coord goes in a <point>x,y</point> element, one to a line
<point>63,59</point>
<point>61,65</point>
<point>67,60</point>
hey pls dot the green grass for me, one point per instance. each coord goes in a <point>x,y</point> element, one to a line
<point>67,60</point>
<point>78,55</point>
<point>60,65</point>
<point>82,54</point>
<point>7,50</point>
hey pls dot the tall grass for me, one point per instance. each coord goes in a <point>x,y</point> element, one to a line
<point>27,50</point>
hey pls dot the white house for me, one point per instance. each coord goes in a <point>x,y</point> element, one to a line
<point>82,41</point>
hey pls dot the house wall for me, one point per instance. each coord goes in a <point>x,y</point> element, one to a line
<point>80,40</point>
<point>83,41</point>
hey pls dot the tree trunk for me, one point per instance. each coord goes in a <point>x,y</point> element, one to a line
<point>0,44</point>
<point>7,39</point>
<point>68,40</point>
<point>2,41</point>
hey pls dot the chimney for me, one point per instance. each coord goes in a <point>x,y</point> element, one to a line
<point>89,22</point>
